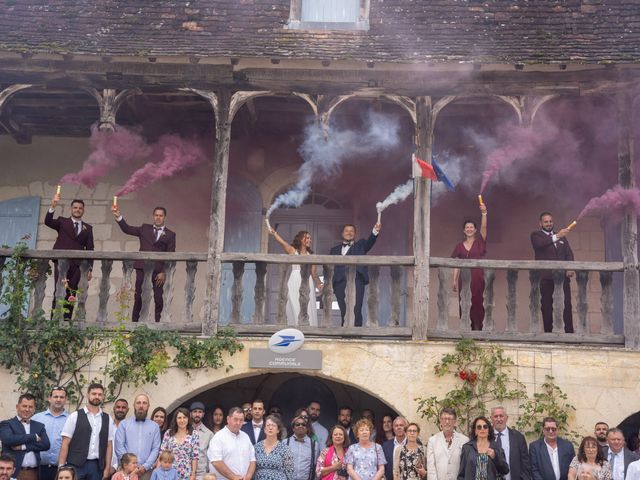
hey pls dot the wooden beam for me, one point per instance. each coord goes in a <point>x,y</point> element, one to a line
<point>626,179</point>
<point>421,220</point>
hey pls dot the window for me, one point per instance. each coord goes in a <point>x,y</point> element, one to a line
<point>329,14</point>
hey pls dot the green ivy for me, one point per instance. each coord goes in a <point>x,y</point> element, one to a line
<point>484,378</point>
<point>43,352</point>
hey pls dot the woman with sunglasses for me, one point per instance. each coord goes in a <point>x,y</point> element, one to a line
<point>410,459</point>
<point>482,458</point>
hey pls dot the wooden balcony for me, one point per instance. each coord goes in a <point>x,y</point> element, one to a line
<point>255,295</point>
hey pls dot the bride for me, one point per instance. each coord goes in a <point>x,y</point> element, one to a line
<point>301,245</point>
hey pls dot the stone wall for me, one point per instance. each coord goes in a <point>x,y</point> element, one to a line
<point>602,383</point>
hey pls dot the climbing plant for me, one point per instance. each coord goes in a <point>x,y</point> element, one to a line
<point>44,351</point>
<point>484,378</point>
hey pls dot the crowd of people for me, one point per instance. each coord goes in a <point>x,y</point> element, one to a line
<point>252,443</point>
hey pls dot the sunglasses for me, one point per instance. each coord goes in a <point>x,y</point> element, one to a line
<point>550,429</point>
<point>299,424</point>
<point>482,426</point>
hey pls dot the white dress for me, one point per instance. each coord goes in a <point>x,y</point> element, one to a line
<point>293,300</point>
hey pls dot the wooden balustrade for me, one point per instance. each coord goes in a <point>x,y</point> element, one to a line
<point>387,301</point>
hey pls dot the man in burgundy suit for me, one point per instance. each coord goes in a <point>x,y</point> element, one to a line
<point>153,238</point>
<point>550,245</point>
<point>73,234</point>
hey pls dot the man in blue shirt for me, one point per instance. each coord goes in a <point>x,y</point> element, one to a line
<point>53,419</point>
<point>140,436</point>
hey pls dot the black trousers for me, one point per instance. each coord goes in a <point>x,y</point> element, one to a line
<point>48,472</point>
<point>157,296</point>
<point>546,300</point>
<point>73,277</point>
<point>339,289</point>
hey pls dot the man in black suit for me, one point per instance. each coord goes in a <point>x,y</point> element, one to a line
<point>618,455</point>
<point>351,247</point>
<point>73,234</point>
<point>514,445</point>
<point>345,413</point>
<point>399,439</point>
<point>550,245</point>
<point>545,466</point>
<point>255,427</point>
<point>25,437</point>
<point>153,238</point>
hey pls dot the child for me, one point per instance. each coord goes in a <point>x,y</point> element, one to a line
<point>165,470</point>
<point>128,466</point>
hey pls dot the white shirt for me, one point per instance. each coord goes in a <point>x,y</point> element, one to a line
<point>345,248</point>
<point>555,461</point>
<point>617,466</point>
<point>235,450</point>
<point>29,460</point>
<point>95,421</point>
<point>504,442</point>
<point>257,427</point>
<point>633,471</point>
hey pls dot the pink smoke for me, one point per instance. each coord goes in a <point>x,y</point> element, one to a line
<point>109,150</point>
<point>174,155</point>
<point>524,144</point>
<point>614,202</point>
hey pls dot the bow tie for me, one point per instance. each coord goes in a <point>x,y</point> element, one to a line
<point>347,244</point>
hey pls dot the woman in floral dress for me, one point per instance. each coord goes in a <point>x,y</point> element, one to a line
<point>274,460</point>
<point>365,459</point>
<point>182,440</point>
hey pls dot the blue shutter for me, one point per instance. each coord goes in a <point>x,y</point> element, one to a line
<point>18,219</point>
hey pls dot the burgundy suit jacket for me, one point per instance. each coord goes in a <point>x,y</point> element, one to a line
<point>544,249</point>
<point>146,234</point>
<point>67,239</point>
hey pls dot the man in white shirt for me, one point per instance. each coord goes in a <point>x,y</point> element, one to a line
<point>514,445</point>
<point>87,438</point>
<point>230,451</point>
<point>444,448</point>
<point>551,455</point>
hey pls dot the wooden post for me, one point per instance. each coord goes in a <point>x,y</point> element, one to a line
<point>259,293</point>
<point>626,179</point>
<point>221,104</point>
<point>237,293</point>
<point>606,302</point>
<point>103,292</point>
<point>489,278</point>
<point>190,290</point>
<point>512,282</point>
<point>444,282</point>
<point>396,293</point>
<point>421,220</point>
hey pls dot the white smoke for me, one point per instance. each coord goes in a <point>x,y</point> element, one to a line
<point>324,151</point>
<point>400,193</point>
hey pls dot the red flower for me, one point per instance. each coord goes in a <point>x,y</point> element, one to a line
<point>71,298</point>
<point>463,374</point>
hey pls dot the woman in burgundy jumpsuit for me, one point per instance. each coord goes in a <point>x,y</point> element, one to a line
<point>473,247</point>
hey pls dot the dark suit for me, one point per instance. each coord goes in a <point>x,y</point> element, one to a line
<point>13,434</point>
<point>387,448</point>
<point>519,464</point>
<point>361,247</point>
<point>545,249</point>
<point>248,429</point>
<point>629,457</point>
<point>541,468</point>
<point>68,240</point>
<point>148,243</point>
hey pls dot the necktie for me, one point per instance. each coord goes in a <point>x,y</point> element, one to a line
<point>499,439</point>
<point>156,233</point>
<point>76,226</point>
<point>612,462</point>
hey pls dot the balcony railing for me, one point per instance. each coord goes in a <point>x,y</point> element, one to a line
<point>255,294</point>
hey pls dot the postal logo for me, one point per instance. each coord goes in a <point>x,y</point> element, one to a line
<point>286,341</point>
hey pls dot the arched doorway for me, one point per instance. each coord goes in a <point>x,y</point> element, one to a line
<point>290,391</point>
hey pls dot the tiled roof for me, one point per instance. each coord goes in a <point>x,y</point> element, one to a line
<point>510,31</point>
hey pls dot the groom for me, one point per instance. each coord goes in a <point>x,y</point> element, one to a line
<point>351,247</point>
